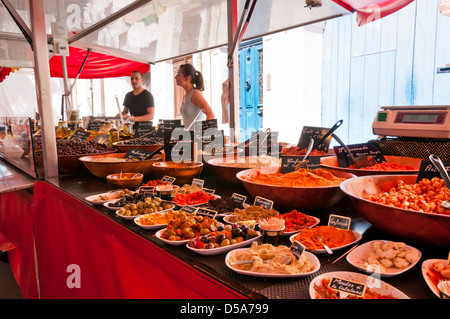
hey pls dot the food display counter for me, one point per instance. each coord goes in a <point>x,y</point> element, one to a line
<point>115,258</point>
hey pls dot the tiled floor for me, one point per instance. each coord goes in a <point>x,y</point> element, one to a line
<point>8,285</point>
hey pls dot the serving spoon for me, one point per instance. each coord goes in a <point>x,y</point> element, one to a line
<point>358,162</point>
<point>304,162</point>
<point>443,171</point>
<point>320,238</point>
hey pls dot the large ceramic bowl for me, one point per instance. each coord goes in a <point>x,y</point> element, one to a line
<point>104,165</point>
<point>300,198</point>
<point>125,180</point>
<point>402,223</point>
<point>228,152</point>
<point>226,171</point>
<point>69,163</point>
<point>184,172</point>
<point>331,162</point>
<point>127,148</point>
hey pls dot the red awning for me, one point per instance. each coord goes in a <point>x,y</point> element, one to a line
<point>4,72</point>
<point>371,10</point>
<point>97,65</point>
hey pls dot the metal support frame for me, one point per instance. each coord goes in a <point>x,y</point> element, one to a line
<point>18,20</point>
<point>233,72</point>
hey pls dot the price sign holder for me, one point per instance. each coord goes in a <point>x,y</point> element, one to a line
<point>238,198</point>
<point>315,133</point>
<point>168,179</point>
<point>260,201</point>
<point>189,209</point>
<point>198,182</point>
<point>363,149</point>
<point>428,170</point>
<point>297,249</point>
<point>147,190</point>
<point>139,154</point>
<point>95,125</point>
<point>290,163</point>
<point>209,191</point>
<point>143,129</point>
<point>347,286</point>
<point>206,212</point>
<point>82,135</point>
<point>341,222</point>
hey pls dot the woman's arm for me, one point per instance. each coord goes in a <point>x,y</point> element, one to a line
<point>198,99</point>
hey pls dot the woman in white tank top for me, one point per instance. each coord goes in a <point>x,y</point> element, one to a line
<point>194,104</point>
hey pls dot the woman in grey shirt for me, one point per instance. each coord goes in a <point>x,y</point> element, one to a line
<point>194,103</point>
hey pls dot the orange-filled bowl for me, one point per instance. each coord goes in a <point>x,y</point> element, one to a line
<point>295,197</point>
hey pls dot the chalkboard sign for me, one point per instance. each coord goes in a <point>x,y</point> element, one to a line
<point>204,125</point>
<point>297,248</point>
<point>82,135</point>
<point>95,125</point>
<point>178,145</point>
<point>363,149</point>
<point>167,125</point>
<point>142,129</point>
<point>209,191</point>
<point>347,286</point>
<point>289,163</point>
<point>141,155</point>
<point>102,139</point>
<point>341,222</point>
<point>206,212</point>
<point>266,203</point>
<point>428,170</point>
<point>198,182</point>
<point>168,179</point>
<point>147,190</point>
<point>238,198</point>
<point>315,133</point>
<point>188,209</point>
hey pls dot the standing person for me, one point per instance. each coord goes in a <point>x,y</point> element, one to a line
<point>194,103</point>
<point>139,102</point>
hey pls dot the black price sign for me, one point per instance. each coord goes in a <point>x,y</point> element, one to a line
<point>147,190</point>
<point>82,135</point>
<point>297,249</point>
<point>206,212</point>
<point>141,155</point>
<point>238,198</point>
<point>95,125</point>
<point>341,222</point>
<point>188,209</point>
<point>315,133</point>
<point>167,125</point>
<point>204,125</point>
<point>347,286</point>
<point>208,191</point>
<point>363,149</point>
<point>266,203</point>
<point>168,179</point>
<point>428,170</point>
<point>102,139</point>
<point>198,182</point>
<point>143,129</point>
<point>289,163</point>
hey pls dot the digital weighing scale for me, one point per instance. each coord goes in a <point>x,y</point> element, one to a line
<point>413,121</point>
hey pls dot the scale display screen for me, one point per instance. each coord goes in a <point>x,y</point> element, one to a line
<point>417,118</point>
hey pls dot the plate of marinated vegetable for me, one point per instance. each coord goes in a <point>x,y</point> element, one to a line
<point>100,199</point>
<point>147,206</point>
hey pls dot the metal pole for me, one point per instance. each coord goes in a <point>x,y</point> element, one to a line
<point>233,71</point>
<point>43,89</point>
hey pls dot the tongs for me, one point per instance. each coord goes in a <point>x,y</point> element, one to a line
<point>443,171</point>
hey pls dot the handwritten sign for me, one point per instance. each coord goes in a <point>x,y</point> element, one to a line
<point>82,135</point>
<point>198,182</point>
<point>297,248</point>
<point>315,133</point>
<point>95,125</point>
<point>363,149</point>
<point>347,286</point>
<point>260,201</point>
<point>290,163</point>
<point>141,155</point>
<point>206,212</point>
<point>167,125</point>
<point>168,179</point>
<point>341,222</point>
<point>147,190</point>
<point>204,125</point>
<point>238,198</point>
<point>188,209</point>
<point>209,191</point>
<point>428,170</point>
<point>144,129</point>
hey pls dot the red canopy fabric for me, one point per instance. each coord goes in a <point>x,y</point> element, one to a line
<point>4,72</point>
<point>371,10</point>
<point>97,65</point>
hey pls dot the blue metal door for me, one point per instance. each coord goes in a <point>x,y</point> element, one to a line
<point>250,70</point>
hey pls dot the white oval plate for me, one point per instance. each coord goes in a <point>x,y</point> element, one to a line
<point>425,268</point>
<point>245,205</point>
<point>133,217</point>
<point>170,242</point>
<point>157,226</point>
<point>110,207</point>
<point>360,253</point>
<point>372,283</point>
<point>220,250</point>
<point>311,257</point>
<point>323,251</point>
<point>92,199</point>
<point>196,205</point>
<point>126,217</point>
<point>228,217</point>
<point>289,233</point>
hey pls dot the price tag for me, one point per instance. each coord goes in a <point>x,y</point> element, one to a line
<point>95,125</point>
<point>208,191</point>
<point>363,149</point>
<point>266,203</point>
<point>188,209</point>
<point>82,135</point>
<point>315,133</point>
<point>198,182</point>
<point>289,163</point>
<point>168,179</point>
<point>347,286</point>
<point>141,155</point>
<point>206,212</point>
<point>144,129</point>
<point>238,198</point>
<point>167,125</point>
<point>147,190</point>
<point>341,222</point>
<point>428,170</point>
<point>297,248</point>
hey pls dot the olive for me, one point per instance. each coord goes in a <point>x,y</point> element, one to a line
<point>225,242</point>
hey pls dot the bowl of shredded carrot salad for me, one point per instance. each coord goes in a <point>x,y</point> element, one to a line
<point>302,189</point>
<point>398,165</point>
